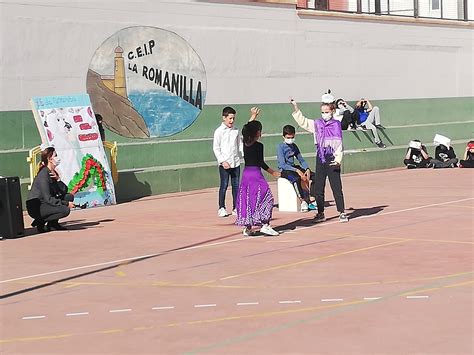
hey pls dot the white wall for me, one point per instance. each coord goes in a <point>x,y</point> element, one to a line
<point>253,53</point>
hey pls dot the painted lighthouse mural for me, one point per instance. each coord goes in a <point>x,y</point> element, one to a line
<point>155,86</point>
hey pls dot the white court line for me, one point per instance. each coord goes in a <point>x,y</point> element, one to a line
<point>120,310</point>
<point>332,300</point>
<point>33,317</point>
<point>224,242</point>
<point>289,302</point>
<point>164,307</point>
<point>392,212</point>
<point>76,314</point>
<point>415,297</point>
<point>247,303</point>
<point>118,261</point>
<point>371,298</point>
<point>204,305</point>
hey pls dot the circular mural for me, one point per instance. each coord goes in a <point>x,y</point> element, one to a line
<point>146,82</point>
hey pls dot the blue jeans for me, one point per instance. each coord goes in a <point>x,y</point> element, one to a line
<point>234,174</point>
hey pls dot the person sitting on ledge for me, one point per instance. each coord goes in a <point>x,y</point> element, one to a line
<point>445,157</point>
<point>417,156</point>
<point>468,159</point>
<point>48,200</point>
<point>369,117</point>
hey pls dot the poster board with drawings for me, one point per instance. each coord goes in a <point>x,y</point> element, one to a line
<point>68,124</point>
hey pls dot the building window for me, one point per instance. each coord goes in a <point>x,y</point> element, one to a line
<point>435,4</point>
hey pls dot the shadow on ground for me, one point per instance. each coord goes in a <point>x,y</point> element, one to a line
<point>360,212</point>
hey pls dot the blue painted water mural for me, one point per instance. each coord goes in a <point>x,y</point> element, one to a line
<point>164,113</point>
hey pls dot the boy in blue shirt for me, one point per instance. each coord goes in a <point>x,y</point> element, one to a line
<point>369,117</point>
<point>298,175</point>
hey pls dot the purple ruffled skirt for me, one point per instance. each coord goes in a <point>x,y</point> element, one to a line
<point>255,199</point>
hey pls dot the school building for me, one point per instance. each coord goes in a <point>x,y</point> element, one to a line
<point>413,59</point>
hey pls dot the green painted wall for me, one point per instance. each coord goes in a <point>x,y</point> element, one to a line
<point>186,162</point>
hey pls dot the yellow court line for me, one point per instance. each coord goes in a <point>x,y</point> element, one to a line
<point>255,315</point>
<point>460,284</point>
<point>413,239</point>
<point>170,284</point>
<point>111,331</point>
<point>47,337</point>
<point>221,319</point>
<point>461,206</point>
<point>180,226</point>
<point>437,288</point>
<point>298,263</point>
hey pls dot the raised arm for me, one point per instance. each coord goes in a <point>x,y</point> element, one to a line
<point>369,105</point>
<point>303,122</point>
<point>423,152</point>
<point>254,112</point>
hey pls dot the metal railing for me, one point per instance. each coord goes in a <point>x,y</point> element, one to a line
<point>462,10</point>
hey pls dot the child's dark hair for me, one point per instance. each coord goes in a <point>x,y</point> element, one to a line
<point>249,131</point>
<point>228,111</point>
<point>288,129</point>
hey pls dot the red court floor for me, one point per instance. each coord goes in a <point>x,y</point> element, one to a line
<point>165,275</point>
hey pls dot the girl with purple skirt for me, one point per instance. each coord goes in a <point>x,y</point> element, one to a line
<point>255,199</point>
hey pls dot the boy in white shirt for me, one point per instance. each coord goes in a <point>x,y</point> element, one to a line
<point>228,149</point>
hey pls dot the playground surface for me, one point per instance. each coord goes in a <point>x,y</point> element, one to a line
<point>165,275</point>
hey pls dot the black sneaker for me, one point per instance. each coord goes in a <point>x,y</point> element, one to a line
<point>41,228</point>
<point>320,217</point>
<point>412,166</point>
<point>381,145</point>
<point>379,126</point>
<point>54,225</point>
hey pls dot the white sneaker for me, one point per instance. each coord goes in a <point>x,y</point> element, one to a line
<point>266,229</point>
<point>343,218</point>
<point>222,212</point>
<point>234,212</point>
<point>304,206</point>
<point>247,231</point>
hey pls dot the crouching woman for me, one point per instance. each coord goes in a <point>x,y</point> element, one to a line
<point>48,200</point>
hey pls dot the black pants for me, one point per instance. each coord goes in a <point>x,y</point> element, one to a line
<point>350,119</point>
<point>467,163</point>
<point>444,164</point>
<point>422,164</point>
<point>47,213</point>
<point>319,183</point>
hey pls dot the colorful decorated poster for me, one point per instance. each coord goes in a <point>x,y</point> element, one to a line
<point>146,82</point>
<point>68,124</point>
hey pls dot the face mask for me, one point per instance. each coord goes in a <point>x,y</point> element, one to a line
<point>326,116</point>
<point>56,161</point>
<point>289,140</point>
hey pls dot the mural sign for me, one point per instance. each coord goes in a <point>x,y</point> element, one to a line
<point>146,82</point>
<point>68,124</point>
